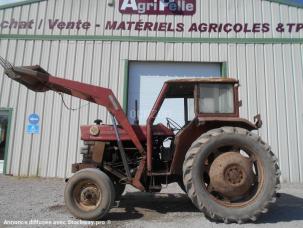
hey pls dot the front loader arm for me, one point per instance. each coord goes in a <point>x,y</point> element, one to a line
<point>37,79</point>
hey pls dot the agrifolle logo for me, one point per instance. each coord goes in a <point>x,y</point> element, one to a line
<point>158,7</point>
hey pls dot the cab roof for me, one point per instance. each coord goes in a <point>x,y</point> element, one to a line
<point>204,80</point>
<point>184,88</point>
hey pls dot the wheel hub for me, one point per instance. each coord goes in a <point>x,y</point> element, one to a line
<point>89,196</point>
<point>234,175</point>
<point>231,174</point>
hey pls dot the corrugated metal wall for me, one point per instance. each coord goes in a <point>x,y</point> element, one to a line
<point>270,75</point>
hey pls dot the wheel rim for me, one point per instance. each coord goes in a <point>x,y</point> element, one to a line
<point>232,175</point>
<point>87,195</point>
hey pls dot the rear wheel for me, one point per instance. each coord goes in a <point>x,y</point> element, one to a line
<point>89,194</point>
<point>231,175</point>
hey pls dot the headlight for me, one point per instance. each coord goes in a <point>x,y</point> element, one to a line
<point>94,130</point>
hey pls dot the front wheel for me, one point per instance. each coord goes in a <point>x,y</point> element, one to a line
<point>89,194</point>
<point>231,175</point>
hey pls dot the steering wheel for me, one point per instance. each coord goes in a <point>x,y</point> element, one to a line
<point>173,125</point>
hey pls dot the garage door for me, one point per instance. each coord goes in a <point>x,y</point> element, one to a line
<point>146,80</point>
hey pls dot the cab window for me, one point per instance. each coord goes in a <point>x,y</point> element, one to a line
<point>216,98</point>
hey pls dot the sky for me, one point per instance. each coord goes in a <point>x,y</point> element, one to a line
<point>2,2</point>
<point>12,1</point>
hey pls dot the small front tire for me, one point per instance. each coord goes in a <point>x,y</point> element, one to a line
<point>89,194</point>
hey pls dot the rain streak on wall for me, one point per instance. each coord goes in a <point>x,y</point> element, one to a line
<point>270,76</point>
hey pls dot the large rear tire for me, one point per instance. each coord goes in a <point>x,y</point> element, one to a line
<point>181,185</point>
<point>89,194</point>
<point>231,175</point>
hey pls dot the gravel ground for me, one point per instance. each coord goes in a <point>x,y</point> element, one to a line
<point>25,199</point>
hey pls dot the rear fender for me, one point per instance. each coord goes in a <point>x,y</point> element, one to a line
<point>213,122</point>
<point>195,129</point>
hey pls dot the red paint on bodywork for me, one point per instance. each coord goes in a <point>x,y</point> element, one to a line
<point>107,133</point>
<point>150,121</point>
<point>195,129</point>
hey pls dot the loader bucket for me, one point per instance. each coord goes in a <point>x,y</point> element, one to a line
<point>33,77</point>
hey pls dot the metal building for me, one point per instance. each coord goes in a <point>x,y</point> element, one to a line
<point>132,47</point>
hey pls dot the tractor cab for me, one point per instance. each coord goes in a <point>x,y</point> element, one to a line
<point>204,97</point>
<point>208,103</point>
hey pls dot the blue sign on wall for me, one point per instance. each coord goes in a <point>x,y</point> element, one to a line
<point>33,129</point>
<point>33,126</point>
<point>33,119</point>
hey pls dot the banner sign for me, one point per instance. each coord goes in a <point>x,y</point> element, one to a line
<point>210,28</point>
<point>158,7</point>
<point>157,26</point>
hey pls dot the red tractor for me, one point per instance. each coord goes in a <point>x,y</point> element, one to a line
<point>227,171</point>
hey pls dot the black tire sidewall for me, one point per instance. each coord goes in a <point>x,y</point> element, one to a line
<point>268,173</point>
<point>181,185</point>
<point>105,185</point>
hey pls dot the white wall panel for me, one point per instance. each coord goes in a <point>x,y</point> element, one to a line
<point>264,89</point>
<point>27,98</point>
<point>270,75</point>
<point>261,88</point>
<point>298,85</point>
<point>271,100</point>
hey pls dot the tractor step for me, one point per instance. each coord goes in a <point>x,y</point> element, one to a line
<point>116,204</point>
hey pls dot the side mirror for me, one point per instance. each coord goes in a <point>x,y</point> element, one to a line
<point>240,103</point>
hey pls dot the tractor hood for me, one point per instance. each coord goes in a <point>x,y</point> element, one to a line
<point>107,133</point>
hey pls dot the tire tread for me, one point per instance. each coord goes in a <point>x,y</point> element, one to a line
<point>189,161</point>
